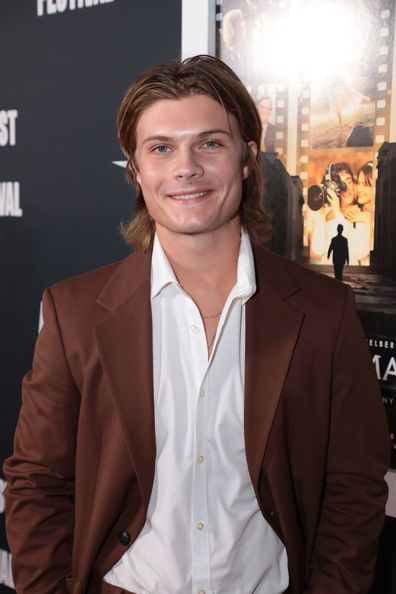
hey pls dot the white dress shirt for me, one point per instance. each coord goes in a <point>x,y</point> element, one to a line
<point>204,531</point>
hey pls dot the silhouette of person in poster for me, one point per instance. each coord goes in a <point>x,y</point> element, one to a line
<point>339,247</point>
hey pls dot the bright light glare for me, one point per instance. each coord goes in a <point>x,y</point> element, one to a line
<point>316,42</point>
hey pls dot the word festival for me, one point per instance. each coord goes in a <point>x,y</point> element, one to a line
<point>54,6</point>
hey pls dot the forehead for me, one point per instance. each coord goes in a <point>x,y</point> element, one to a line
<point>185,116</point>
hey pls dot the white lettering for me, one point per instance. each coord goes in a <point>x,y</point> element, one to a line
<point>50,7</point>
<point>61,5</point>
<point>376,361</point>
<point>40,7</point>
<point>2,489</point>
<point>5,569</point>
<point>9,200</point>
<point>41,319</point>
<point>8,127</point>
<point>391,369</point>
<point>382,344</point>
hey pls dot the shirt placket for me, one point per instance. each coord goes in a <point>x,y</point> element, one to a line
<point>199,520</point>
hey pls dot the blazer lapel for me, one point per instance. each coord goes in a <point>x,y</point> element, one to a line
<point>272,328</point>
<point>124,341</point>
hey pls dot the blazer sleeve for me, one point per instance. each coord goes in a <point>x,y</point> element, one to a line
<point>355,492</point>
<point>40,472</point>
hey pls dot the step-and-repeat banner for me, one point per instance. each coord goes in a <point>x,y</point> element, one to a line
<point>64,67</point>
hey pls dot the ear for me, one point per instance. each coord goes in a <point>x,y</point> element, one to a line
<point>134,169</point>
<point>252,147</point>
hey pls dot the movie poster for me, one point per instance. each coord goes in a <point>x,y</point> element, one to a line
<point>320,72</point>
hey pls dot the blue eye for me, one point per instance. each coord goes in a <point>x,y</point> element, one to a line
<point>162,148</point>
<point>212,144</point>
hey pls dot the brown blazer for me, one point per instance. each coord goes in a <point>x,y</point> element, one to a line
<point>316,439</point>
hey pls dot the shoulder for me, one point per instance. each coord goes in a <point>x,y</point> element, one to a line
<point>90,282</point>
<point>324,302</point>
<point>114,281</point>
<point>297,283</point>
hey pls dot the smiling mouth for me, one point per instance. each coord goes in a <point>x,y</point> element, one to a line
<point>189,196</point>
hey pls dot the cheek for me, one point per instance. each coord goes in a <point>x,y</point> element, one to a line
<point>149,175</point>
<point>230,171</point>
<point>367,193</point>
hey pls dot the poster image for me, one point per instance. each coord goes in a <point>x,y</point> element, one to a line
<point>249,31</point>
<point>320,72</point>
<point>340,192</point>
<point>344,72</point>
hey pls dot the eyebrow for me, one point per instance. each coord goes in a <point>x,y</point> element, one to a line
<point>161,138</point>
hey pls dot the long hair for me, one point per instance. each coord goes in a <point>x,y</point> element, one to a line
<point>200,75</point>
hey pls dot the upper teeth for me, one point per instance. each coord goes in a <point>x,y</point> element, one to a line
<point>189,196</point>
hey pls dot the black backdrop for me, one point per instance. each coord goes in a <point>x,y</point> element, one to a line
<point>65,74</point>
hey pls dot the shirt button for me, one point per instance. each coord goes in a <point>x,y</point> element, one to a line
<point>200,458</point>
<point>202,392</point>
<point>194,329</point>
<point>124,537</point>
<point>200,525</point>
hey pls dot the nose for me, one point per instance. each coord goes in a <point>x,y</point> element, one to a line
<point>187,164</point>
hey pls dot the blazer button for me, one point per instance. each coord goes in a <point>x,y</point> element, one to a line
<point>124,537</point>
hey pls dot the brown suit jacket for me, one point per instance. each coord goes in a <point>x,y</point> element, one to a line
<point>316,439</point>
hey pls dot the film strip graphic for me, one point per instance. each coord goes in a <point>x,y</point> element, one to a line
<point>281,121</point>
<point>382,97</point>
<point>303,135</point>
<point>276,91</point>
<point>384,75</point>
<point>281,107</point>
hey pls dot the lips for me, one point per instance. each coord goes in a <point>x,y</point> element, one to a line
<point>189,196</point>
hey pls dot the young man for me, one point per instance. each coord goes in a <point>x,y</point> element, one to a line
<point>203,417</point>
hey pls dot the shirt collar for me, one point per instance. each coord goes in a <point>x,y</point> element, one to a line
<point>246,277</point>
<point>162,273</point>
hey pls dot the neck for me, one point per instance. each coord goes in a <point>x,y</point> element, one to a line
<point>205,264</point>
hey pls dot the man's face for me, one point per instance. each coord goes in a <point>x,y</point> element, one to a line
<point>189,165</point>
<point>349,195</point>
<point>265,108</point>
